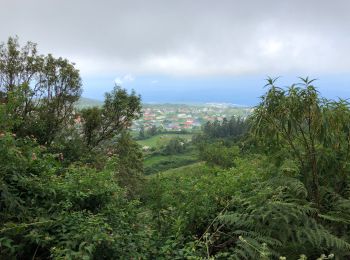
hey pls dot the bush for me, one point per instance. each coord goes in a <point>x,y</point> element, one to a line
<point>48,211</point>
<point>217,154</point>
<point>175,146</point>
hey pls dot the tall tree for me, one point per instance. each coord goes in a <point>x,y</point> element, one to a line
<point>119,110</point>
<point>314,129</point>
<point>129,164</point>
<point>38,92</point>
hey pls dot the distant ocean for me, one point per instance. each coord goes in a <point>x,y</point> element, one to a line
<point>242,90</point>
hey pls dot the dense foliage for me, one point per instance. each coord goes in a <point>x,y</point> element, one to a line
<point>50,211</point>
<point>217,154</point>
<point>233,128</point>
<point>272,186</point>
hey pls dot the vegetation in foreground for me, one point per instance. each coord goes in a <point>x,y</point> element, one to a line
<point>274,186</point>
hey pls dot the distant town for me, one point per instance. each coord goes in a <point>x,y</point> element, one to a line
<point>179,117</point>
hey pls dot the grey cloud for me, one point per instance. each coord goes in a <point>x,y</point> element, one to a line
<point>186,37</point>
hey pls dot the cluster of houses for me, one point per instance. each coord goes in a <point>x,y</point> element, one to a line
<point>182,117</point>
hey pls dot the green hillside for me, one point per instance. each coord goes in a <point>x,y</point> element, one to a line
<point>88,102</point>
<point>162,139</point>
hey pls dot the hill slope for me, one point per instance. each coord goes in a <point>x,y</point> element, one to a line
<point>88,102</point>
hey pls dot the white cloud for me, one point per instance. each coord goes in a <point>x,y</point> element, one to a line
<point>224,37</point>
<point>118,81</point>
<point>128,77</point>
<point>124,79</point>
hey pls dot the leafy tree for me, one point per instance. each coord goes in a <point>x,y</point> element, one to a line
<point>314,129</point>
<point>142,133</point>
<point>37,92</point>
<point>152,131</point>
<point>175,146</point>
<point>234,129</point>
<point>217,154</point>
<point>128,164</point>
<point>92,122</point>
<point>116,115</point>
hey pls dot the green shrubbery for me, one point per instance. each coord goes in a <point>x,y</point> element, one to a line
<point>217,154</point>
<point>50,211</point>
<point>64,195</point>
<point>74,212</point>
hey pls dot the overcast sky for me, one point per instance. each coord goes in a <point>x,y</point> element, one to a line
<point>130,40</point>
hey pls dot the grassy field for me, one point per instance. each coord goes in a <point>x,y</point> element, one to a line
<point>159,163</point>
<point>190,168</point>
<point>162,139</point>
<point>155,161</point>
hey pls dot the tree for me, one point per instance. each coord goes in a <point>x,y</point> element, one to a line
<point>315,130</point>
<point>175,146</point>
<point>217,154</point>
<point>37,92</point>
<point>92,121</point>
<point>152,131</point>
<point>234,128</point>
<point>129,164</point>
<point>142,132</point>
<point>117,114</point>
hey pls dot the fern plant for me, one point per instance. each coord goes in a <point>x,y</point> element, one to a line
<point>278,215</point>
